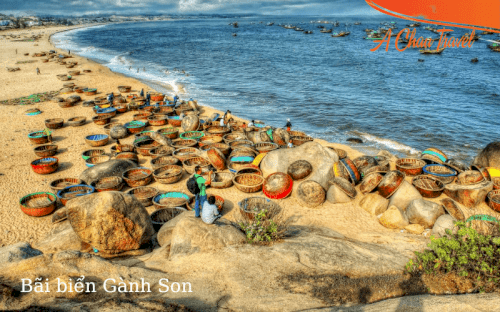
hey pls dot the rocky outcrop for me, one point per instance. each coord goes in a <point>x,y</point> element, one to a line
<point>424,212</point>
<point>374,204</point>
<point>17,252</point>
<point>489,156</point>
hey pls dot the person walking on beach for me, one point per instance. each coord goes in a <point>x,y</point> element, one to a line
<point>142,92</point>
<point>288,125</point>
<point>38,71</point>
<point>69,52</point>
<point>111,97</point>
<point>209,212</point>
<point>202,184</point>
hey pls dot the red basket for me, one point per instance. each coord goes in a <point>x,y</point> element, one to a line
<point>283,190</point>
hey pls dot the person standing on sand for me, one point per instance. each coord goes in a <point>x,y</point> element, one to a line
<point>288,125</point>
<point>142,93</point>
<point>38,71</point>
<point>202,185</point>
<point>209,212</point>
<point>69,52</point>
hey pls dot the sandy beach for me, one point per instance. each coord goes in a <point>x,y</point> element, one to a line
<point>17,179</point>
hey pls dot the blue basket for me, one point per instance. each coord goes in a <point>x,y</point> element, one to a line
<point>44,160</point>
<point>174,117</point>
<point>69,189</point>
<point>259,125</point>
<point>37,134</point>
<point>443,175</point>
<point>135,124</point>
<point>243,159</point>
<point>96,137</point>
<point>105,110</point>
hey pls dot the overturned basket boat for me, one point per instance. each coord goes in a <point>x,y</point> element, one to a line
<point>248,183</point>
<point>38,204</point>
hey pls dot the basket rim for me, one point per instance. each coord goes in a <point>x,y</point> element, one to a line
<point>442,175</point>
<point>64,190</point>
<point>144,187</point>
<point>252,174</point>
<point>53,200</point>
<point>428,177</point>
<point>100,136</point>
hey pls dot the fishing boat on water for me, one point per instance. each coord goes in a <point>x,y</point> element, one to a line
<point>494,47</point>
<point>374,35</point>
<point>270,24</point>
<point>289,26</point>
<point>326,31</point>
<point>341,34</point>
<point>308,32</point>
<point>357,23</point>
<point>487,33</point>
<point>298,29</point>
<point>428,51</point>
<point>414,25</point>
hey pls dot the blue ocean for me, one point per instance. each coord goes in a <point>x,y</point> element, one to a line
<point>330,88</point>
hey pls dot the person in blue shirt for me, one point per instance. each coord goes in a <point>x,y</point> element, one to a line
<point>142,92</point>
<point>210,213</point>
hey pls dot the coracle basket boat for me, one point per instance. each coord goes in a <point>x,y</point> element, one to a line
<point>135,126</point>
<point>220,131</point>
<point>162,216</point>
<point>235,136</point>
<point>169,132</point>
<point>121,108</point>
<point>76,121</point>
<point>364,162</point>
<point>410,166</point>
<point>157,121</point>
<point>252,206</point>
<point>54,123</point>
<point>144,147</point>
<point>59,184</point>
<point>45,150</point>
<point>174,121</point>
<point>191,163</point>
<point>192,135</point>
<point>96,140</point>
<point>162,161</point>
<point>340,152</point>
<point>108,184</point>
<point>180,143</point>
<point>494,200</point>
<point>470,177</point>
<point>90,91</point>
<point>95,160</point>
<point>224,148</point>
<point>351,169</point>
<point>107,127</point>
<point>65,104</point>
<point>109,112</point>
<point>496,183</point>
<point>138,177</point>
<point>39,137</point>
<point>265,147</point>
<point>219,202</point>
<point>101,120</point>
<point>186,153</point>
<point>241,143</point>
<point>91,153</point>
<point>434,155</point>
<point>391,183</point>
<point>216,158</point>
<point>248,183</point>
<point>73,191</point>
<point>222,180</point>
<point>441,172</point>
<point>370,182</point>
<point>299,140</point>
<point>162,150</point>
<point>128,155</point>
<point>277,185</point>
<point>209,139</point>
<point>124,89</point>
<point>428,186</point>
<point>144,194</point>
<point>45,165</point>
<point>484,171</point>
<point>345,186</point>
<point>340,171</point>
<point>170,200</point>
<point>168,174</point>
<point>38,204</point>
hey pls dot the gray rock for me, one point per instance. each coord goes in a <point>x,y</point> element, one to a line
<point>404,195</point>
<point>424,212</point>
<point>191,235</point>
<point>17,252</point>
<point>321,159</point>
<point>489,156</point>
<point>336,196</point>
<point>114,167</point>
<point>374,204</point>
<point>442,223</point>
<point>118,132</point>
<point>164,235</point>
<point>61,238</point>
<point>111,222</point>
<point>190,123</point>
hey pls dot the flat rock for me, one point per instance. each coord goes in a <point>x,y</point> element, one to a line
<point>415,229</point>
<point>394,218</point>
<point>374,204</point>
<point>469,195</point>
<point>191,235</point>
<point>404,195</point>
<point>164,235</point>
<point>114,167</point>
<point>62,237</point>
<point>17,252</point>
<point>111,222</point>
<point>424,212</point>
<point>321,159</point>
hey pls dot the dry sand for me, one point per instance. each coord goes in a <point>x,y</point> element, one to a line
<point>17,179</point>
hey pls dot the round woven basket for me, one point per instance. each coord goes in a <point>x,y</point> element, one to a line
<point>428,186</point>
<point>186,153</point>
<point>434,155</point>
<point>180,143</point>
<point>364,162</point>
<point>220,131</point>
<point>135,126</point>
<point>59,184</point>
<point>161,161</point>
<point>410,166</point>
<point>95,160</point>
<point>170,200</point>
<point>54,123</point>
<point>494,200</point>
<point>222,180</point>
<point>74,191</point>
<point>121,108</point>
<point>370,182</point>
<point>484,224</point>
<point>224,148</point>
<point>391,183</point>
<point>124,89</point>
<point>265,147</point>
<point>76,121</point>
<point>248,183</point>
<point>45,150</point>
<point>252,206</point>
<point>235,136</point>
<point>191,163</point>
<point>45,165</point>
<point>144,194</point>
<point>38,204</point>
<point>496,183</point>
<point>209,139</point>
<point>168,174</point>
<point>96,140</point>
<point>470,177</point>
<point>246,143</point>
<point>157,121</point>
<point>219,202</point>
<point>101,120</point>
<point>128,155</point>
<point>351,170</point>
<point>217,158</point>
<point>169,132</point>
<point>192,135</point>
<point>174,121</point>
<point>250,169</point>
<point>299,140</point>
<point>484,172</point>
<point>162,216</point>
<point>145,146</point>
<point>277,185</point>
<point>137,177</point>
<point>142,117</point>
<point>39,137</point>
<point>162,150</point>
<point>108,184</point>
<point>441,172</point>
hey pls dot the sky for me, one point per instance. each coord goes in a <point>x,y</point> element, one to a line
<point>269,7</point>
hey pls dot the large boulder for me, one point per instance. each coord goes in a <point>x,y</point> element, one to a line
<point>17,252</point>
<point>469,195</point>
<point>489,156</point>
<point>118,132</point>
<point>111,222</point>
<point>61,237</point>
<point>321,159</point>
<point>394,218</point>
<point>164,235</point>
<point>442,224</point>
<point>114,167</point>
<point>424,212</point>
<point>191,235</point>
<point>374,204</point>
<point>336,196</point>
<point>404,195</point>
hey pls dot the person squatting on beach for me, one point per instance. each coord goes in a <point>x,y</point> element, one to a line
<point>290,144</point>
<point>209,212</point>
<point>288,125</point>
<point>201,197</point>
